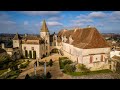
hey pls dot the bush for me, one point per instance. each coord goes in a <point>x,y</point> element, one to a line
<point>41,63</point>
<point>63,58</point>
<point>63,62</point>
<point>27,77</point>
<point>4,61</point>
<point>24,65</point>
<point>69,68</point>
<point>82,68</point>
<point>50,62</point>
<point>48,75</point>
<point>54,50</point>
<point>22,57</point>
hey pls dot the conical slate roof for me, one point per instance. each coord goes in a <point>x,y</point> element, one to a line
<point>44,27</point>
<point>17,37</point>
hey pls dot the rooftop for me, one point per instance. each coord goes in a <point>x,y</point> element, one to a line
<point>85,38</point>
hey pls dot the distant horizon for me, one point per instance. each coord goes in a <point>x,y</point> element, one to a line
<point>30,21</point>
<point>53,32</point>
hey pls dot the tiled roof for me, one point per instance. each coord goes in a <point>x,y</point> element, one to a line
<point>85,38</point>
<point>39,39</point>
<point>29,37</point>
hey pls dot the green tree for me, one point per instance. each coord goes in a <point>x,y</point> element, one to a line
<point>48,75</point>
<point>30,54</point>
<point>82,68</point>
<point>50,62</point>
<point>27,77</point>
<point>69,68</point>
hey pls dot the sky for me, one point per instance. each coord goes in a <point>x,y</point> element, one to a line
<point>30,21</point>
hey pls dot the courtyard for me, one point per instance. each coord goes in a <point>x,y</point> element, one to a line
<point>58,74</point>
<point>54,70</point>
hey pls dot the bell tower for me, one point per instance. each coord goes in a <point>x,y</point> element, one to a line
<point>44,33</point>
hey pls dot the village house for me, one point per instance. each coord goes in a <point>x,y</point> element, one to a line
<point>86,46</point>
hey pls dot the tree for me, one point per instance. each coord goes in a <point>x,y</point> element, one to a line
<point>34,54</point>
<point>27,77</point>
<point>50,62</point>
<point>82,68</point>
<point>30,54</point>
<point>69,68</point>
<point>4,61</point>
<point>48,75</point>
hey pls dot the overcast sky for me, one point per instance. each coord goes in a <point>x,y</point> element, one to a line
<point>31,21</point>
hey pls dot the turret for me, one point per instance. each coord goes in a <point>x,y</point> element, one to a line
<point>44,30</point>
<point>16,41</point>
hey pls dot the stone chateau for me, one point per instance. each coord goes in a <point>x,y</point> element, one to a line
<point>81,45</point>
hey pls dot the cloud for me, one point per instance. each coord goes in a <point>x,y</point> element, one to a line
<point>82,20</point>
<point>54,18</point>
<point>4,16</point>
<point>38,13</point>
<point>116,13</point>
<point>26,23</point>
<point>54,23</point>
<point>97,15</point>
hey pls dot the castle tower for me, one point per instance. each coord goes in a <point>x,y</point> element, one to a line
<point>17,41</point>
<point>44,33</point>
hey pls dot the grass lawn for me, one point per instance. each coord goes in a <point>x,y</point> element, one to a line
<point>89,73</point>
<point>2,71</point>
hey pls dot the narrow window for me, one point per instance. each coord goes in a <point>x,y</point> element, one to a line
<point>91,59</point>
<point>101,58</point>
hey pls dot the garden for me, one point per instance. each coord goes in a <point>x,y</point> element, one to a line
<point>9,69</point>
<point>70,68</point>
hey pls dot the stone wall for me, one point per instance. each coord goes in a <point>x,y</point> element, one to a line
<point>29,48</point>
